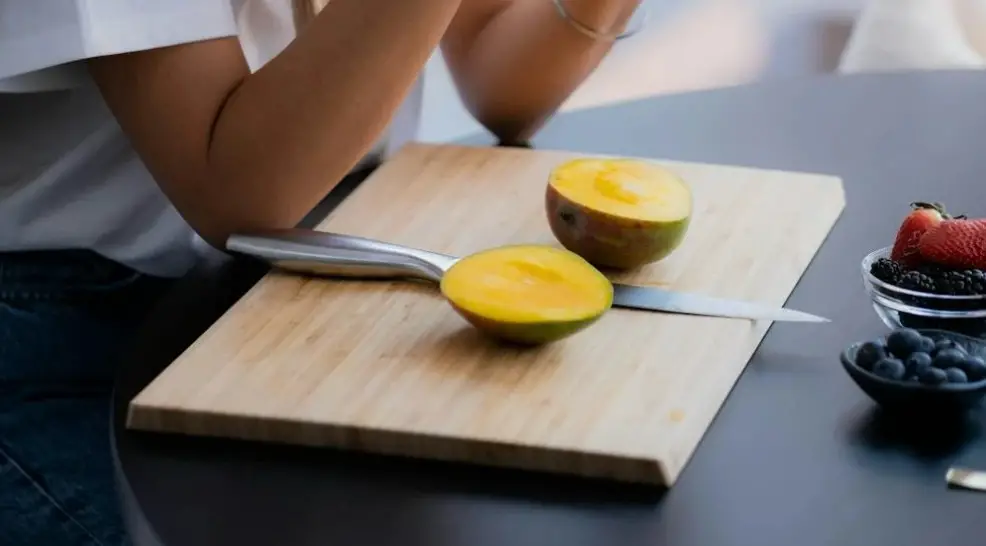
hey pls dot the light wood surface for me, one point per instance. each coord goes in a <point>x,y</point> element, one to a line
<point>388,367</point>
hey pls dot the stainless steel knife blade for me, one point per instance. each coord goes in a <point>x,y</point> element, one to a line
<point>336,255</point>
<point>650,298</point>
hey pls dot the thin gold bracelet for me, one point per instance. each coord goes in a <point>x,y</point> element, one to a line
<point>591,32</point>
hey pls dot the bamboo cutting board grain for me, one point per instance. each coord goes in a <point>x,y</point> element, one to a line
<point>388,367</point>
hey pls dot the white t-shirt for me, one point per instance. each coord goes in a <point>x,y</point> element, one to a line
<point>68,175</point>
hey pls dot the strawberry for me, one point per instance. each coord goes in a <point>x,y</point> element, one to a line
<point>957,243</point>
<point>923,216</point>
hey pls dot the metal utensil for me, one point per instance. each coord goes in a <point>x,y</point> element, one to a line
<point>966,478</point>
<point>334,255</point>
<point>649,298</point>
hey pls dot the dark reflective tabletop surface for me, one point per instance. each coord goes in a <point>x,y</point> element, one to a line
<point>797,456</point>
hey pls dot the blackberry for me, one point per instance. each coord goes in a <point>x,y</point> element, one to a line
<point>918,281</point>
<point>956,282</point>
<point>887,270</point>
<point>931,270</point>
<point>962,282</point>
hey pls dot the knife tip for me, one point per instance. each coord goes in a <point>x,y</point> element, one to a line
<point>807,317</point>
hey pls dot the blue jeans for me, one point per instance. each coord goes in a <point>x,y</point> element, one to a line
<point>65,318</point>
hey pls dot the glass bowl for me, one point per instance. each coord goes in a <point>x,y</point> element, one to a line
<point>899,307</point>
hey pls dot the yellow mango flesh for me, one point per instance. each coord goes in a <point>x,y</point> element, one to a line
<point>619,213</point>
<point>625,188</point>
<point>527,293</point>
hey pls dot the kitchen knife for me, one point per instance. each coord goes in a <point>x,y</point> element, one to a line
<point>650,298</point>
<point>334,255</point>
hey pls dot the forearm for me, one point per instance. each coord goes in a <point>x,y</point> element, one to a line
<point>238,151</point>
<point>299,124</point>
<point>527,60</point>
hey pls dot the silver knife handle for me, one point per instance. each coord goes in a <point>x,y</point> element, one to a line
<point>336,255</point>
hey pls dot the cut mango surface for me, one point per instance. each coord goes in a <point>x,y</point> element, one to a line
<point>527,284</point>
<point>627,188</point>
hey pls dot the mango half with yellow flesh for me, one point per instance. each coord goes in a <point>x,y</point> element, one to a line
<point>618,213</point>
<point>527,294</point>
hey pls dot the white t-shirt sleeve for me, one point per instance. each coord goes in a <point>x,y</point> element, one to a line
<point>38,36</point>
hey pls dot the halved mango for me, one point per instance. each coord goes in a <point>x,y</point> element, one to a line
<point>618,213</point>
<point>527,294</point>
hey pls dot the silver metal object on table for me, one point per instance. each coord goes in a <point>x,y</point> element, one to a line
<point>334,255</point>
<point>966,478</point>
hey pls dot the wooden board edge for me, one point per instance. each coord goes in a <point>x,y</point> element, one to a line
<point>646,471</point>
<point>834,212</point>
<point>420,146</point>
<point>203,337</point>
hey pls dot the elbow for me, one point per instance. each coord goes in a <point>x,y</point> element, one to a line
<point>216,228</point>
<point>511,126</point>
<point>215,233</point>
<point>234,190</point>
<point>509,118</point>
<point>216,215</point>
<point>511,132</point>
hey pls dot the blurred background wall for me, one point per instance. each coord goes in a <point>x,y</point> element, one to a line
<point>700,44</point>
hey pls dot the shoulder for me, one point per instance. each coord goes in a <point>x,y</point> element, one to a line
<point>41,39</point>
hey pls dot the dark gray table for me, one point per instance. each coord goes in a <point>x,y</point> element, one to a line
<point>797,456</point>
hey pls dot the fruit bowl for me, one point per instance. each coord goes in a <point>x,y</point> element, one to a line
<point>920,370</point>
<point>897,306</point>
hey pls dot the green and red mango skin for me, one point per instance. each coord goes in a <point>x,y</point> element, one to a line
<point>609,241</point>
<point>526,334</point>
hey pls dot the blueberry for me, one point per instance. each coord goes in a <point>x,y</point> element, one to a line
<point>889,368</point>
<point>975,368</point>
<point>946,344</point>
<point>948,358</point>
<point>956,375</point>
<point>869,354</point>
<point>927,344</point>
<point>916,362</point>
<point>933,376</point>
<point>904,341</point>
<point>911,378</point>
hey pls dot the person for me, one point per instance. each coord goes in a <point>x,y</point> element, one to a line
<point>136,136</point>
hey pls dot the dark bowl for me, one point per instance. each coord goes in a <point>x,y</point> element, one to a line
<point>911,397</point>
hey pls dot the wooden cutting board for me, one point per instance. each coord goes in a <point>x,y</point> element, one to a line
<point>388,367</point>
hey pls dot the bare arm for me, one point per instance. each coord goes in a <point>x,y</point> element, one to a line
<point>236,151</point>
<point>516,61</point>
